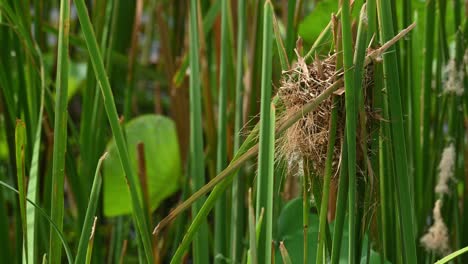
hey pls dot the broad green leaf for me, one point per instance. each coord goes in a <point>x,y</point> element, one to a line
<point>290,231</point>
<point>163,166</point>
<point>319,16</point>
<point>316,20</point>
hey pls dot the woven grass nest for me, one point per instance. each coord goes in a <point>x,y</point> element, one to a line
<point>308,137</point>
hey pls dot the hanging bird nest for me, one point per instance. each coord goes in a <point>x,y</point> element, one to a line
<point>308,137</point>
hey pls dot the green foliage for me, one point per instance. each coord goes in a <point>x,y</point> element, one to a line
<point>312,25</point>
<point>190,102</point>
<point>162,159</point>
<point>290,232</point>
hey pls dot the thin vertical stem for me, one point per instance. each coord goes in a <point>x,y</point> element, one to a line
<point>108,98</point>
<point>359,72</point>
<point>220,247</point>
<point>427,81</point>
<point>270,200</point>
<point>60,132</point>
<point>327,180</point>
<point>20,142</point>
<point>305,210</point>
<point>264,170</point>
<point>340,205</point>
<point>200,246</point>
<point>237,184</point>
<point>351,120</point>
<point>131,61</point>
<point>397,131</point>
<point>90,212</point>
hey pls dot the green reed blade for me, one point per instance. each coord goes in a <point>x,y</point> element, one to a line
<point>340,205</point>
<point>20,143</point>
<point>90,213</point>
<point>103,81</point>
<point>397,130</point>
<point>220,233</point>
<point>238,183</point>
<point>33,185</point>
<point>264,169</point>
<point>53,225</point>
<point>60,132</point>
<point>351,120</point>
<point>197,161</point>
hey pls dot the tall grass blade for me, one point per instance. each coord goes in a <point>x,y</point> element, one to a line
<point>452,256</point>
<point>340,204</point>
<point>60,131</point>
<point>220,245</point>
<point>402,180</point>
<point>90,212</point>
<point>238,183</point>
<point>92,114</point>
<point>427,87</point>
<point>280,45</point>
<point>20,143</point>
<point>270,159</point>
<point>306,183</point>
<point>351,120</point>
<point>200,247</point>
<point>252,257</point>
<point>33,185</point>
<point>53,226</point>
<point>89,251</point>
<point>103,81</point>
<point>359,72</point>
<point>264,169</point>
<point>326,182</point>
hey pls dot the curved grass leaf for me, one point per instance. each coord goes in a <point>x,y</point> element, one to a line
<point>86,231</point>
<point>60,131</point>
<point>220,235</point>
<point>264,178</point>
<point>33,185</point>
<point>89,251</point>
<point>53,226</point>
<point>397,131</point>
<point>197,159</point>
<point>238,185</point>
<point>351,120</point>
<point>20,143</point>
<point>453,255</point>
<point>108,98</point>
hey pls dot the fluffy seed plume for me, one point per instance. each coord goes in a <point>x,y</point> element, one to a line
<point>454,79</point>
<point>446,167</point>
<point>436,239</point>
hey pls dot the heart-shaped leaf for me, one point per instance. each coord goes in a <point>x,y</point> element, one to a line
<point>163,166</point>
